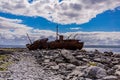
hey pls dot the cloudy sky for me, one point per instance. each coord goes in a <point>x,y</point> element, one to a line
<point>97,22</point>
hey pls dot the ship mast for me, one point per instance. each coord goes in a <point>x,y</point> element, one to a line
<point>29,38</point>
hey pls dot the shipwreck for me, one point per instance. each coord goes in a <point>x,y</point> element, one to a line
<point>59,43</point>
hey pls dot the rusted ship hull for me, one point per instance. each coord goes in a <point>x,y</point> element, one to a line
<point>65,45</point>
<point>56,45</point>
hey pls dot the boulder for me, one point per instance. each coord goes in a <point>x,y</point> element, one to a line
<point>117,67</point>
<point>110,71</point>
<point>55,67</point>
<point>116,55</point>
<point>47,60</point>
<point>95,72</point>
<point>101,65</point>
<point>97,59</point>
<point>70,67</point>
<point>77,73</point>
<point>74,75</point>
<point>80,57</point>
<point>59,60</point>
<point>117,73</point>
<point>68,57</point>
<point>62,66</point>
<point>108,53</point>
<point>115,62</point>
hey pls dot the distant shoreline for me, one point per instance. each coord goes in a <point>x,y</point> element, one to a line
<point>12,46</point>
<point>102,46</point>
<point>85,46</point>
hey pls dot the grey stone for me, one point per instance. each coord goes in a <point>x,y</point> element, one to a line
<point>80,57</point>
<point>10,79</point>
<point>74,74</point>
<point>110,71</point>
<point>101,65</point>
<point>59,60</point>
<point>117,67</point>
<point>95,72</point>
<point>55,67</point>
<point>91,55</point>
<point>110,78</point>
<point>97,59</point>
<point>117,73</point>
<point>5,74</point>
<point>70,67</point>
<point>68,57</point>
<point>108,53</point>
<point>47,60</point>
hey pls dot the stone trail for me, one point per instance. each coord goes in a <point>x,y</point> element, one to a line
<point>26,69</point>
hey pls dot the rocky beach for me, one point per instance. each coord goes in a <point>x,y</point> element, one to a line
<point>59,64</point>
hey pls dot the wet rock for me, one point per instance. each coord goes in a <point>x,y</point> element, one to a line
<point>110,78</point>
<point>95,72</point>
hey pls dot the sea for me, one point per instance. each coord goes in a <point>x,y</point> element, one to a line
<point>101,48</point>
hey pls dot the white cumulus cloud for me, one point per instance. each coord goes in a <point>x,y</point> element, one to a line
<point>14,33</point>
<point>97,38</point>
<point>64,12</point>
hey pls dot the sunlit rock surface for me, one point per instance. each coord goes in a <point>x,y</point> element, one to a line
<point>59,65</point>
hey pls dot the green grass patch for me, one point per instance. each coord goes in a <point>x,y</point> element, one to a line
<point>4,62</point>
